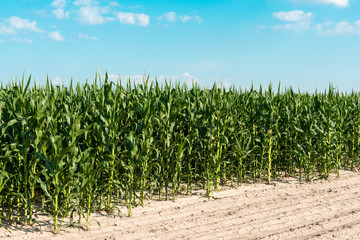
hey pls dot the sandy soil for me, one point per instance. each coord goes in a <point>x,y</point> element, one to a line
<point>285,210</point>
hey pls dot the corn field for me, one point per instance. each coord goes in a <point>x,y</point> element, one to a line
<point>72,151</point>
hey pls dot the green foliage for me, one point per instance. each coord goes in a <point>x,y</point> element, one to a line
<point>84,148</point>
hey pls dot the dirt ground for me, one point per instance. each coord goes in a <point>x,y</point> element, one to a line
<point>285,210</point>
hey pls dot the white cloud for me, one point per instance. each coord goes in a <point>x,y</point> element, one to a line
<point>2,41</point>
<point>187,75</point>
<point>28,40</point>
<point>61,14</point>
<point>13,24</point>
<point>139,78</point>
<point>299,21</point>
<point>57,81</point>
<point>85,36</point>
<point>112,77</point>
<point>188,79</point>
<point>20,40</point>
<point>170,17</point>
<point>6,29</point>
<point>133,18</point>
<point>321,26</point>
<point>338,28</point>
<point>134,78</point>
<point>17,40</point>
<point>126,17</point>
<point>59,3</point>
<point>173,17</point>
<point>337,3</point>
<point>56,36</point>
<point>83,2</point>
<point>222,82</point>
<point>92,15</point>
<point>293,16</point>
<point>143,19</point>
<point>23,24</point>
<point>114,4</point>
<point>187,18</point>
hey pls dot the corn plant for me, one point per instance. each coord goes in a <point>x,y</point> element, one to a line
<point>87,147</point>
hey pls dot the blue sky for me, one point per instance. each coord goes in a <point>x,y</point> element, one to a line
<point>300,43</point>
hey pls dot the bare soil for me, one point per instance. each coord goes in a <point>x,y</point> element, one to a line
<point>284,210</point>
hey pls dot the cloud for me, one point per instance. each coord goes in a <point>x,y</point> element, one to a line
<point>20,40</point>
<point>28,40</point>
<point>187,18</point>
<point>337,3</point>
<point>298,20</point>
<point>56,36</point>
<point>139,78</point>
<point>222,82</point>
<point>6,30</point>
<point>143,19</point>
<point>126,17</point>
<point>112,77</point>
<point>59,3</point>
<point>134,78</point>
<point>17,40</point>
<point>186,77</point>
<point>293,16</point>
<point>2,41</point>
<point>14,24</point>
<point>83,2</point>
<point>170,17</point>
<point>133,18</point>
<point>23,24</point>
<point>85,36</point>
<point>61,14</point>
<point>57,81</point>
<point>339,28</point>
<point>114,4</point>
<point>91,15</point>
